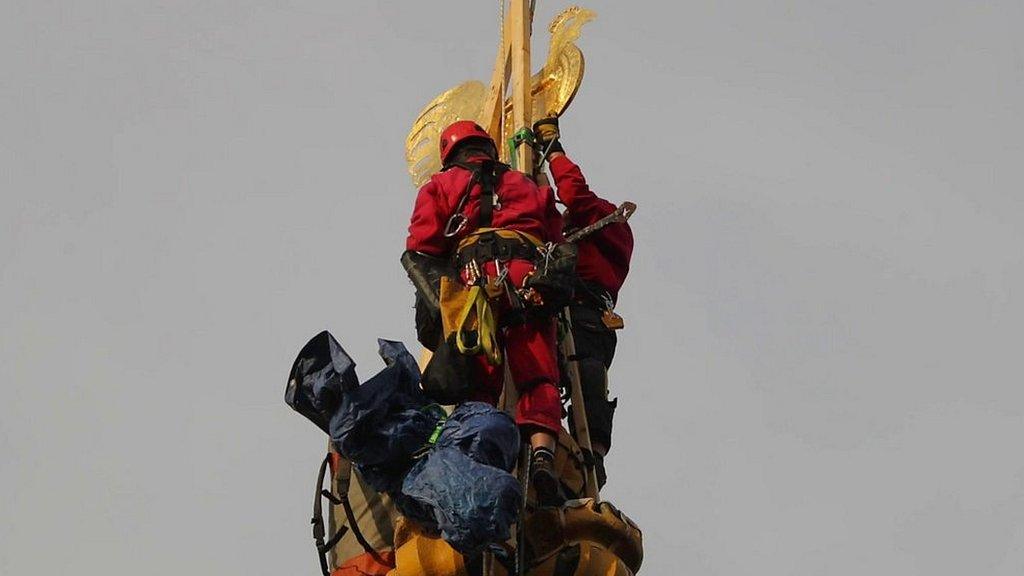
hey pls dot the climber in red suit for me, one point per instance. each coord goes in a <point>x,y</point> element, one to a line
<point>453,213</point>
<point>601,268</point>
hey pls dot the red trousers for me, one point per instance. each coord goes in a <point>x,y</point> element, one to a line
<point>532,362</point>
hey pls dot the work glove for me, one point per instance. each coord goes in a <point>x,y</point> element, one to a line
<point>547,135</point>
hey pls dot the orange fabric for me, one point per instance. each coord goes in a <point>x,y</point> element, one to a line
<point>366,565</point>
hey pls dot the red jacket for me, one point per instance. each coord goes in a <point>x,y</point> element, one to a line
<point>523,206</point>
<point>604,255</point>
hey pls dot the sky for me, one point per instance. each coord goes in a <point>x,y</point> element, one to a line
<point>820,372</point>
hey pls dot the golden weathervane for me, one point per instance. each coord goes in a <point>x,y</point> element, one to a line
<point>552,90</point>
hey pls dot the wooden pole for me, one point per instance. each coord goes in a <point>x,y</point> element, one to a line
<point>518,32</point>
<point>579,411</point>
<point>494,105</point>
<point>522,98</point>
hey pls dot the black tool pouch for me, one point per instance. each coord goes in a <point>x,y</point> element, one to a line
<point>448,376</point>
<point>425,272</point>
<point>554,277</point>
<point>428,324</point>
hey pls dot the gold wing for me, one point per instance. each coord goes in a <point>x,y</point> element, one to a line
<point>464,102</point>
<point>553,89</point>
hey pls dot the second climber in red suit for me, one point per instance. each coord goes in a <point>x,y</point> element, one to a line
<point>453,211</point>
<point>601,268</point>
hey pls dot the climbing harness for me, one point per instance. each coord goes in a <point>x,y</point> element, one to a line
<point>488,244</point>
<point>488,174</point>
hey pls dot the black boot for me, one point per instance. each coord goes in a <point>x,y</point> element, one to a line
<point>544,478</point>
<point>602,474</point>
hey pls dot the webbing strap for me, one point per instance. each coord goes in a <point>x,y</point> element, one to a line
<point>488,174</point>
<point>490,244</point>
<point>319,532</point>
<point>506,233</point>
<point>343,473</point>
<point>486,339</point>
<point>487,185</point>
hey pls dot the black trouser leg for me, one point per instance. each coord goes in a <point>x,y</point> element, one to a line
<point>599,409</point>
<point>595,348</point>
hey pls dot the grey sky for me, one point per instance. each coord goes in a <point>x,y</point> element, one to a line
<point>821,367</point>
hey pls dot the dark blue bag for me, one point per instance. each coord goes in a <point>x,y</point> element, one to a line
<point>450,474</point>
<point>320,375</point>
<point>382,424</point>
<point>473,504</point>
<point>482,432</point>
<point>465,479</point>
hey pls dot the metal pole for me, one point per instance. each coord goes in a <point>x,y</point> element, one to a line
<point>524,481</point>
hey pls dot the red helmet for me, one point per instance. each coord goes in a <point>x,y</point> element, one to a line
<point>459,132</point>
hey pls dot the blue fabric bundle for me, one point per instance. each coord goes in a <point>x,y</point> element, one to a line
<point>381,425</point>
<point>320,375</point>
<point>460,485</point>
<point>465,480</point>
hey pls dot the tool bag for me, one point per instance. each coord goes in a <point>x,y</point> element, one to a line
<point>447,378</point>
<point>555,278</point>
<point>425,272</point>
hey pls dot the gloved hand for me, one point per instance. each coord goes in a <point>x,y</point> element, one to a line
<point>547,135</point>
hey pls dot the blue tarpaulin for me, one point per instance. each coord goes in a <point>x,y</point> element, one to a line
<point>381,424</point>
<point>460,486</point>
<point>319,376</point>
<point>465,479</point>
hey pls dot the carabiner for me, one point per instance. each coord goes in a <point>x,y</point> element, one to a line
<point>462,221</point>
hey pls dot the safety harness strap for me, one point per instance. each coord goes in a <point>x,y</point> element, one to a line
<point>496,244</point>
<point>487,186</point>
<point>341,468</point>
<point>319,532</point>
<point>486,327</point>
<point>488,173</point>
